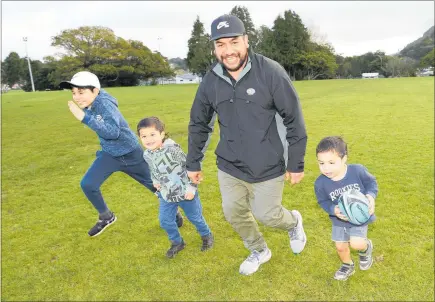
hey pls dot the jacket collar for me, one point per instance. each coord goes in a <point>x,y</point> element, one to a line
<point>218,69</point>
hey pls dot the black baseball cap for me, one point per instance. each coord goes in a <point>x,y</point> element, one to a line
<point>227,26</point>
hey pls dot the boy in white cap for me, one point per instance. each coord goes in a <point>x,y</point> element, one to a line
<point>121,150</point>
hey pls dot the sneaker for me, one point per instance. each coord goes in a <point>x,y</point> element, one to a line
<point>366,259</point>
<point>344,272</point>
<point>207,242</point>
<point>101,224</point>
<point>298,239</point>
<point>175,248</point>
<point>179,219</point>
<point>253,262</point>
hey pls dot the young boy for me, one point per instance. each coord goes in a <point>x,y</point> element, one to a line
<point>338,177</point>
<point>167,163</point>
<point>121,150</point>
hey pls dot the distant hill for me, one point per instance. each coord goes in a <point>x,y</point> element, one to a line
<point>420,47</point>
<point>178,63</point>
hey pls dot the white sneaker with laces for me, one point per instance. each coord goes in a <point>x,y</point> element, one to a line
<point>253,262</point>
<point>298,239</point>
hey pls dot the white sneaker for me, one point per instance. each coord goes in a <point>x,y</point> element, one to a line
<point>253,262</point>
<point>298,239</point>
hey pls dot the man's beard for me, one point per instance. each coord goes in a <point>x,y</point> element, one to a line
<point>241,63</point>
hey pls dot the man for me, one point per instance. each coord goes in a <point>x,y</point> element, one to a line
<point>247,91</point>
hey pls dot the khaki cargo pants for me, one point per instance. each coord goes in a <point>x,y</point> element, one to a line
<point>243,202</point>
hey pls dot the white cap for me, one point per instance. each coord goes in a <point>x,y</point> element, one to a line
<point>82,79</point>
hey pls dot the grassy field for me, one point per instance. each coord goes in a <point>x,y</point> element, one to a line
<point>47,254</point>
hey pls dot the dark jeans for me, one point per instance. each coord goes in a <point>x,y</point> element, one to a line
<point>133,164</point>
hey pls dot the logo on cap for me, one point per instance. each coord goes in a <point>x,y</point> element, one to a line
<point>222,24</point>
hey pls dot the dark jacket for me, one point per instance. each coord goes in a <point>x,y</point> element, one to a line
<point>249,148</point>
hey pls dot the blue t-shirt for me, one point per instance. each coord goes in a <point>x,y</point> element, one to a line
<point>328,191</point>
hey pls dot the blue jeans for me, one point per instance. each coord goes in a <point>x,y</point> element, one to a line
<point>133,164</point>
<point>192,209</point>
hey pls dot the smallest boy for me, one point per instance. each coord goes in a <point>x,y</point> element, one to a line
<point>338,177</point>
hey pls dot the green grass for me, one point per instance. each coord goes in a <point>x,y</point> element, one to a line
<point>47,254</point>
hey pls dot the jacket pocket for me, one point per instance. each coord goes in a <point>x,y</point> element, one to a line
<point>225,109</point>
<point>228,127</point>
<point>252,115</point>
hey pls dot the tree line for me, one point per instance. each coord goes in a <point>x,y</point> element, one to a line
<point>116,61</point>
<point>305,56</point>
<point>120,62</point>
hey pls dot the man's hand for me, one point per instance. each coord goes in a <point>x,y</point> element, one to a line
<point>157,186</point>
<point>195,176</point>
<point>76,111</point>
<point>189,196</point>
<point>338,214</point>
<point>294,178</point>
<point>372,204</point>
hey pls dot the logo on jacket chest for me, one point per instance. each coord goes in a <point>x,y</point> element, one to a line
<point>99,118</point>
<point>250,91</point>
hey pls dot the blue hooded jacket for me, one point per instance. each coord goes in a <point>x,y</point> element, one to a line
<point>104,117</point>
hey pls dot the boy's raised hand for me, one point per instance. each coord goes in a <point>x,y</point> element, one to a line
<point>76,111</point>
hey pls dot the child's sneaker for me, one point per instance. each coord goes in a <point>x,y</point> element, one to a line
<point>298,239</point>
<point>366,259</point>
<point>344,272</point>
<point>253,262</point>
<point>207,242</point>
<point>175,248</point>
<point>179,219</point>
<point>101,224</point>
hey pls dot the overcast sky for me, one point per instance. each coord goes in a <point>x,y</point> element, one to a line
<point>353,28</point>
